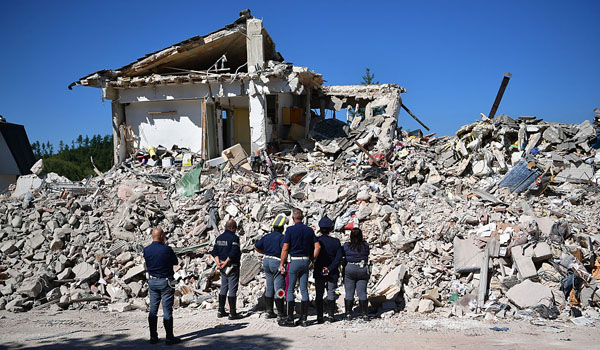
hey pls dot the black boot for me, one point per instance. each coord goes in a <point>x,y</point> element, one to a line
<point>153,323</point>
<point>289,321</point>
<point>319,304</point>
<point>221,312</point>
<point>348,304</point>
<point>233,315</point>
<point>331,310</point>
<point>364,309</point>
<point>269,307</point>
<point>171,339</point>
<point>279,303</point>
<point>304,313</point>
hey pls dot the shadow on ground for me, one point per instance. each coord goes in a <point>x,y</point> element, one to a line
<point>209,338</point>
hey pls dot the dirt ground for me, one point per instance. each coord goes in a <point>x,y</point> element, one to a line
<point>93,329</point>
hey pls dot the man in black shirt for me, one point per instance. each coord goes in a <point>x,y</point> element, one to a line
<point>160,259</point>
<point>227,254</point>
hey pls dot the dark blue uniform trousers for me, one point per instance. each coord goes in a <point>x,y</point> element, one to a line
<point>321,284</point>
<point>275,280</point>
<point>298,271</point>
<point>356,279</point>
<point>229,282</point>
<point>160,289</point>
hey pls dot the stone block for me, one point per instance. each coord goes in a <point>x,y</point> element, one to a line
<point>31,287</point>
<point>120,307</point>
<point>426,306</point>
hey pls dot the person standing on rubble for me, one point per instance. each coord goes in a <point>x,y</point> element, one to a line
<point>326,271</point>
<point>357,273</point>
<point>270,245</point>
<point>227,254</point>
<point>160,259</point>
<point>302,245</point>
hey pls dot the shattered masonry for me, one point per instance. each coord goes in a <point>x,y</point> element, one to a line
<point>429,212</point>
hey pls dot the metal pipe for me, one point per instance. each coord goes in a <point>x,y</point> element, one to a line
<point>415,117</point>
<point>505,80</point>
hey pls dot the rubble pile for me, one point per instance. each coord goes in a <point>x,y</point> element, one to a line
<point>500,220</point>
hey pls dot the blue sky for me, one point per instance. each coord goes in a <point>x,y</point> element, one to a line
<point>449,55</point>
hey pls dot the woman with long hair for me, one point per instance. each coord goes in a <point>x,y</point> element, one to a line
<point>356,273</point>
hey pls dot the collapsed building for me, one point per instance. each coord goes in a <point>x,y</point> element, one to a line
<point>229,87</point>
<point>498,221</point>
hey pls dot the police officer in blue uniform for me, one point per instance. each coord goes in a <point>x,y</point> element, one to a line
<point>227,254</point>
<point>301,244</point>
<point>326,271</point>
<point>270,245</point>
<point>160,259</point>
<point>357,273</point>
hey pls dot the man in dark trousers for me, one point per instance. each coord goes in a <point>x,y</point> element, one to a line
<point>327,269</point>
<point>160,259</point>
<point>302,245</point>
<point>227,254</point>
<point>270,245</point>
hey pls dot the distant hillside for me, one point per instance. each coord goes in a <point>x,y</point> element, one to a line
<point>73,161</point>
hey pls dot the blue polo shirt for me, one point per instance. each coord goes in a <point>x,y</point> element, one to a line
<point>271,243</point>
<point>330,256</point>
<point>226,246</point>
<point>354,256</point>
<point>301,239</point>
<point>160,259</point>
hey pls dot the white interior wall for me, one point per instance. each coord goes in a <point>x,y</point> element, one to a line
<point>8,165</point>
<point>183,128</point>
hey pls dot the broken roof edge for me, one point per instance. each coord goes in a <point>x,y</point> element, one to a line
<point>274,69</point>
<point>356,90</point>
<point>104,75</point>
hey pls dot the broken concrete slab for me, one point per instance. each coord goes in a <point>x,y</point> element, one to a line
<point>84,271</point>
<point>467,256</point>
<point>527,294</point>
<point>133,272</point>
<point>250,266</point>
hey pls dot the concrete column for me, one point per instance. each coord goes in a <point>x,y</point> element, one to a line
<point>308,115</point>
<point>118,118</point>
<point>254,45</point>
<point>258,117</point>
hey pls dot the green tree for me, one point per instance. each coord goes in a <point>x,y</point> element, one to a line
<point>368,78</point>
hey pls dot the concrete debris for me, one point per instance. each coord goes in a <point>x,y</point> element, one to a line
<point>428,206</point>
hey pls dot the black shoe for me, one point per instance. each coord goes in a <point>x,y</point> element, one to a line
<point>171,339</point>
<point>233,315</point>
<point>331,310</point>
<point>153,324</point>
<point>221,312</point>
<point>289,321</point>
<point>364,309</point>
<point>269,307</point>
<point>319,304</point>
<point>304,314</point>
<point>348,304</point>
<point>279,304</point>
